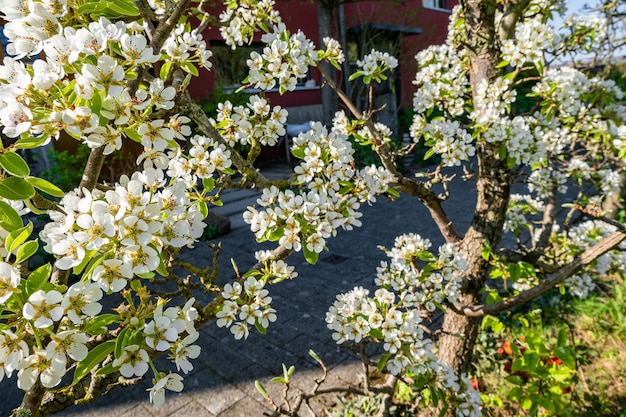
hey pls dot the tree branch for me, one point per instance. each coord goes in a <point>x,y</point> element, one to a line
<point>591,254</point>
<point>408,186</point>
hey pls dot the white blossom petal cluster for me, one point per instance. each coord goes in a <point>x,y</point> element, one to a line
<point>245,19</point>
<point>186,46</point>
<point>588,233</point>
<point>395,313</point>
<point>492,100</point>
<point>449,140</point>
<point>374,65</point>
<point>255,122</point>
<point>441,81</point>
<point>275,270</point>
<point>532,38</point>
<point>543,180</point>
<point>171,381</point>
<point>307,218</point>
<point>565,87</point>
<point>521,208</point>
<point>590,29</point>
<point>96,61</point>
<point>204,159</point>
<point>522,147</point>
<point>580,285</point>
<point>333,50</point>
<point>284,60</point>
<point>61,315</point>
<point>244,306</point>
<point>132,223</point>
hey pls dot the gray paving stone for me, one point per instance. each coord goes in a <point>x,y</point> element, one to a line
<point>220,398</point>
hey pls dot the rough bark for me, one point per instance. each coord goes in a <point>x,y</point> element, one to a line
<point>493,191</point>
<point>325,29</point>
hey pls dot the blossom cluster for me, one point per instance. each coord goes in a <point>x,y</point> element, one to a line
<point>532,38</point>
<point>448,139</point>
<point>374,65</point>
<point>519,209</point>
<point>441,80</point>
<point>169,330</point>
<point>589,233</point>
<point>570,91</point>
<point>285,58</point>
<point>184,47</point>
<point>406,295</point>
<point>492,100</point>
<point>543,180</point>
<point>254,122</point>
<point>244,18</point>
<point>589,29</point>
<point>244,306</point>
<point>131,223</point>
<point>95,63</point>
<point>305,219</point>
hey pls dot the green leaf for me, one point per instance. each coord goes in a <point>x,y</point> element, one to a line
<point>161,269</point>
<point>13,163</point>
<point>424,255</point>
<point>165,70</point>
<point>109,8</point>
<point>208,184</point>
<point>93,263</point>
<point>190,68</point>
<point>30,142</point>
<point>203,208</point>
<point>86,259</point>
<point>98,325</point>
<point>316,357</point>
<point>260,327</point>
<point>94,357</point>
<point>121,342</point>
<point>515,394</point>
<point>310,256</point>
<point>108,369</point>
<point>17,237</point>
<point>393,192</point>
<point>515,271</point>
<point>531,360</point>
<point>383,361</point>
<point>13,188</point>
<point>45,186</point>
<point>567,355</point>
<point>37,279</point>
<point>25,251</point>
<point>527,403</point>
<point>260,388</point>
<point>133,135</point>
<point>492,322</point>
<point>355,75</point>
<point>9,218</point>
<point>502,64</point>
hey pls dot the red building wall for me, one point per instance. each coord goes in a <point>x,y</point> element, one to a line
<point>303,15</point>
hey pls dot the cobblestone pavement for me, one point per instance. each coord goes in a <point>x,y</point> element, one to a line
<point>222,382</point>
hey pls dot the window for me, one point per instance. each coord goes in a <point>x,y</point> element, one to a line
<point>435,4</point>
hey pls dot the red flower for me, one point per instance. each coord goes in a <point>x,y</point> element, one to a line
<point>555,360</point>
<point>476,384</point>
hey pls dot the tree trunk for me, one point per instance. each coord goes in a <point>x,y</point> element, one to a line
<point>330,101</point>
<point>493,190</point>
